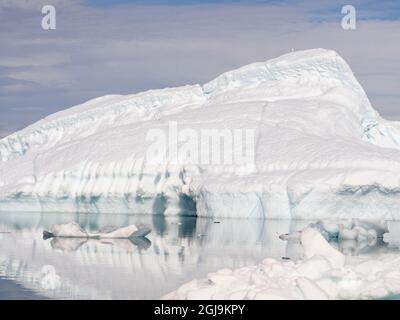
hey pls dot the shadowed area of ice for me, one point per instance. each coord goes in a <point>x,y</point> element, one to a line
<point>351,229</point>
<point>178,250</point>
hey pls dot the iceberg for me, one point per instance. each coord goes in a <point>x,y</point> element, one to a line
<point>320,149</point>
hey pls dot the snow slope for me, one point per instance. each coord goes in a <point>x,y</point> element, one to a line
<point>320,149</point>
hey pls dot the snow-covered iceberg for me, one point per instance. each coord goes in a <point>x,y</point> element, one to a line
<point>320,149</point>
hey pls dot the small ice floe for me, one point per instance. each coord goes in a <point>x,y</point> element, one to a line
<point>73,244</point>
<point>353,229</point>
<point>74,230</point>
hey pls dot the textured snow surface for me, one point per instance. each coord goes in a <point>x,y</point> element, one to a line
<point>321,150</point>
<point>323,273</point>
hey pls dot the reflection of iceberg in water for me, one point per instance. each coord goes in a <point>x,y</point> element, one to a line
<point>67,244</point>
<point>351,237</point>
<point>347,247</point>
<point>95,269</point>
<point>179,250</point>
<point>73,244</point>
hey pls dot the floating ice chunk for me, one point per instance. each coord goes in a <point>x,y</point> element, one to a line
<point>353,229</point>
<point>71,229</point>
<point>363,230</point>
<point>74,230</point>
<point>324,273</point>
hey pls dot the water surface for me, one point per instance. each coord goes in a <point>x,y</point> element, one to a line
<point>177,250</point>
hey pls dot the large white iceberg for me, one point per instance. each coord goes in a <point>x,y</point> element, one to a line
<point>320,149</point>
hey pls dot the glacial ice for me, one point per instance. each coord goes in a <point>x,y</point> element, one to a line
<point>323,273</point>
<point>352,229</point>
<point>321,149</point>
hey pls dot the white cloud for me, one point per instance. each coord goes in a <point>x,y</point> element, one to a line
<point>43,59</point>
<point>46,77</point>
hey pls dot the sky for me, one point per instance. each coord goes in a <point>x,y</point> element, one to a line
<point>118,47</point>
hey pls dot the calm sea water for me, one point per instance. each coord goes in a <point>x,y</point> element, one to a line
<point>177,250</point>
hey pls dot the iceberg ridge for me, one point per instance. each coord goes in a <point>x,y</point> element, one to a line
<point>321,150</point>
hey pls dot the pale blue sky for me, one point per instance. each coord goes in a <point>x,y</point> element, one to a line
<point>104,47</point>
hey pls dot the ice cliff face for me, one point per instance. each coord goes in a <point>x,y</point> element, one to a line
<point>320,149</point>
